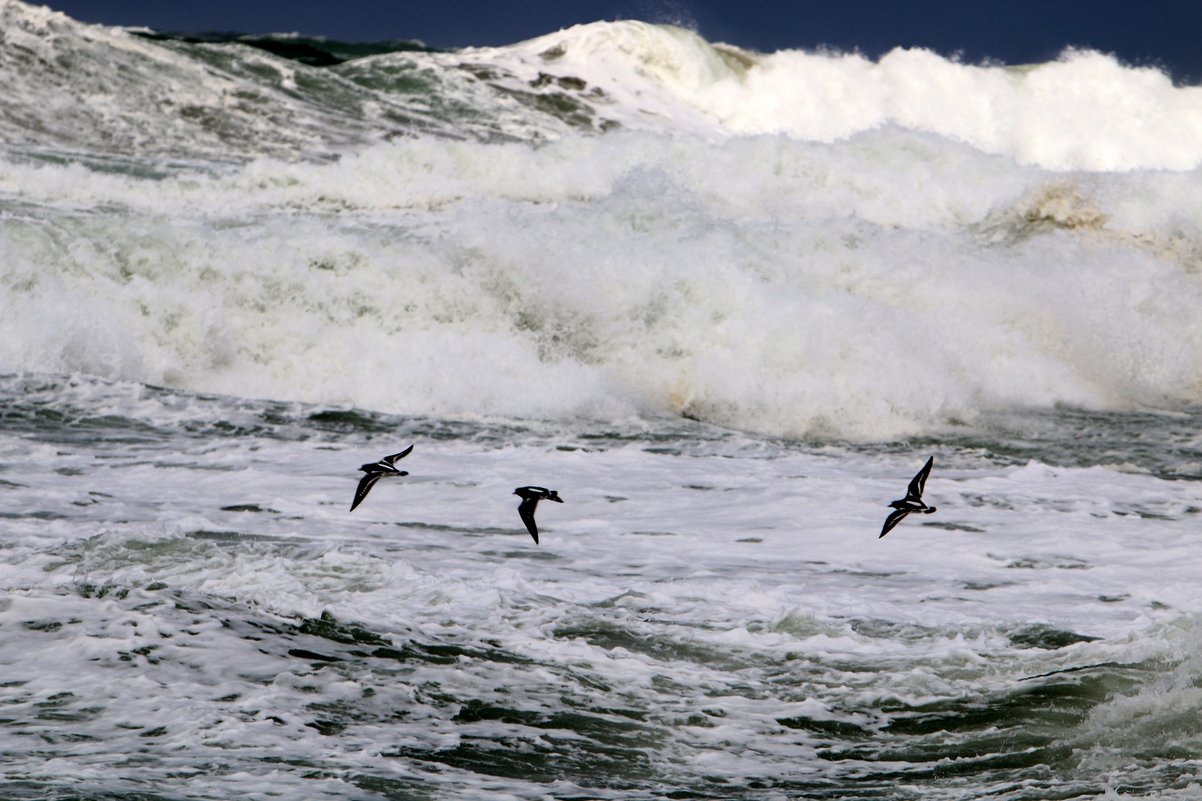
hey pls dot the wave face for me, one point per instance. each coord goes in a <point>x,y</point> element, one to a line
<point>111,90</point>
<point>616,220</point>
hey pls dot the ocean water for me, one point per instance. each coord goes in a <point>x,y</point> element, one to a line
<point>727,303</point>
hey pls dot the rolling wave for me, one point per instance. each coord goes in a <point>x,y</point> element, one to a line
<point>116,91</point>
<point>615,220</point>
<point>761,283</point>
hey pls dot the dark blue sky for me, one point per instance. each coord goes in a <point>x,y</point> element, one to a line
<point>1164,33</point>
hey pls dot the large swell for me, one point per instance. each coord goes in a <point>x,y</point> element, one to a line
<point>877,286</point>
<point>612,221</point>
<point>84,87</point>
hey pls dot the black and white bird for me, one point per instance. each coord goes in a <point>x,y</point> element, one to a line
<point>913,500</point>
<point>377,470</point>
<point>530,497</point>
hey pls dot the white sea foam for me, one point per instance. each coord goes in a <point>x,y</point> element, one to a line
<point>138,98</point>
<point>709,611</point>
<point>1084,111</point>
<point>873,287</point>
<point>702,600</point>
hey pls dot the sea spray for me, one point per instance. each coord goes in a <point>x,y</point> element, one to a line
<point>93,90</point>
<point>888,284</point>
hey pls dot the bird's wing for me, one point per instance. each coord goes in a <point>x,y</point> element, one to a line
<point>919,482</point>
<point>526,510</point>
<point>892,520</point>
<point>365,485</point>
<point>391,460</point>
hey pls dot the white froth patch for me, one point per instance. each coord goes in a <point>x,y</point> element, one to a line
<point>712,596</point>
<point>1084,111</point>
<point>873,288</point>
<point>134,98</point>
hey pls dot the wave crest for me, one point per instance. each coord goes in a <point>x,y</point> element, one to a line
<point>122,94</point>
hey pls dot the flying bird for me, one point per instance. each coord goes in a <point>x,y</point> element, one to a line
<point>377,470</point>
<point>530,498</point>
<point>913,500</point>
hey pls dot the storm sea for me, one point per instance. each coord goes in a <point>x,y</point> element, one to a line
<point>727,303</point>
